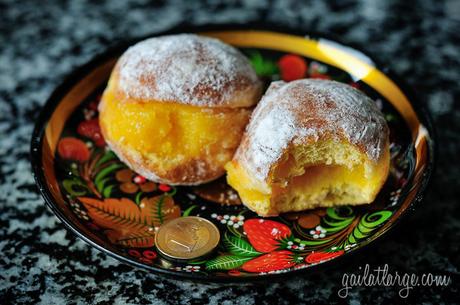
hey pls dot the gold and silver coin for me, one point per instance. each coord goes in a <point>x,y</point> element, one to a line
<point>186,238</point>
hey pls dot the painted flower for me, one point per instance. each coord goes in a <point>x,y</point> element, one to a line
<point>317,68</point>
<point>318,232</point>
<point>190,268</point>
<point>235,221</point>
<point>131,182</point>
<point>77,209</point>
<point>90,111</point>
<point>293,246</point>
<point>394,197</point>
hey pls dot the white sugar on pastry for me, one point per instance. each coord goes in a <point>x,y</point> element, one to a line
<point>192,69</point>
<point>308,109</point>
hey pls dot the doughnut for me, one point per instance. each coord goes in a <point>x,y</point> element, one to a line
<point>311,143</point>
<point>175,107</point>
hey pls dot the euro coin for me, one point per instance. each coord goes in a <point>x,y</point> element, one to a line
<point>187,238</point>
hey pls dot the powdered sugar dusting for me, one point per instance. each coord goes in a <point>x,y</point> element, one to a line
<point>305,110</point>
<point>188,69</point>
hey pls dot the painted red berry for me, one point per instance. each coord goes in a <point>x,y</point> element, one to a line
<point>273,261</point>
<point>91,129</point>
<point>149,254</point>
<point>265,235</point>
<point>134,253</point>
<point>317,257</point>
<point>234,272</point>
<point>164,187</point>
<point>292,67</point>
<point>73,149</point>
<point>138,179</point>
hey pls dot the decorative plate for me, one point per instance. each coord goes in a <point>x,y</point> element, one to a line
<point>117,211</point>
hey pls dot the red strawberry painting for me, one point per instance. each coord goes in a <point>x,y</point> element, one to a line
<point>273,261</point>
<point>292,67</point>
<point>91,129</point>
<point>317,257</point>
<point>265,235</point>
<point>73,149</point>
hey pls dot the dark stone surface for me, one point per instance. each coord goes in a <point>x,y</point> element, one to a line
<point>42,41</point>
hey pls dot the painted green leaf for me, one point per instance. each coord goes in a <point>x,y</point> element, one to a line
<point>262,66</point>
<point>226,262</point>
<point>314,242</point>
<point>75,187</point>
<point>109,155</point>
<point>162,208</point>
<point>101,184</point>
<point>375,219</point>
<point>368,223</point>
<point>336,222</point>
<point>138,198</point>
<point>189,210</point>
<point>239,246</point>
<point>107,191</point>
<point>107,171</point>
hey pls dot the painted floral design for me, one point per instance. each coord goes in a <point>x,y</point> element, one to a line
<point>293,246</point>
<point>128,224</point>
<point>318,257</point>
<point>292,67</point>
<point>235,221</point>
<point>125,209</point>
<point>90,129</point>
<point>131,183</point>
<point>74,149</point>
<point>318,232</point>
<point>145,256</point>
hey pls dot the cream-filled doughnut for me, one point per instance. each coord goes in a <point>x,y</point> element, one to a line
<point>176,106</point>
<point>311,143</point>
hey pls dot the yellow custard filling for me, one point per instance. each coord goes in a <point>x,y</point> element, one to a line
<point>171,134</point>
<point>323,174</point>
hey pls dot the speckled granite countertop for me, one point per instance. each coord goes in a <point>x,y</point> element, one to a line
<point>40,42</point>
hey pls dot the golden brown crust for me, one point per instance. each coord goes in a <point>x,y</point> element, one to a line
<point>193,172</point>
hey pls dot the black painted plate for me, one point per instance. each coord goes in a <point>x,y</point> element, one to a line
<point>103,201</point>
